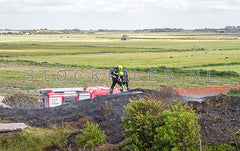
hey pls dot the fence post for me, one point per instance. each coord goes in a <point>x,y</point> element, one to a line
<point>200,144</point>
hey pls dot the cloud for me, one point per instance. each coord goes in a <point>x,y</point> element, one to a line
<point>47,2</point>
<point>32,5</point>
<point>119,13</point>
<point>220,5</point>
<point>117,5</point>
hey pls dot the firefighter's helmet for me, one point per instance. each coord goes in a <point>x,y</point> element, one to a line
<point>120,67</point>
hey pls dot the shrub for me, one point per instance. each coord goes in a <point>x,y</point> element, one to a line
<point>149,126</point>
<point>142,118</point>
<point>60,137</point>
<point>92,136</point>
<point>32,139</point>
<point>82,119</point>
<point>27,141</point>
<point>234,92</point>
<point>219,147</point>
<point>180,130</point>
<point>21,100</point>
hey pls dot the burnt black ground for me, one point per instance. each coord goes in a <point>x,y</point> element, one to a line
<point>70,113</point>
<point>112,126</point>
<point>219,120</point>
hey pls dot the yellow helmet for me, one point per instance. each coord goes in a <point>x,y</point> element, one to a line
<point>120,67</point>
<point>121,73</point>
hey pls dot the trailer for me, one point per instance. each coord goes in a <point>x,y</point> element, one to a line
<point>52,97</point>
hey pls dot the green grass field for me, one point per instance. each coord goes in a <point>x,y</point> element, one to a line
<point>140,59</point>
<point>179,52</point>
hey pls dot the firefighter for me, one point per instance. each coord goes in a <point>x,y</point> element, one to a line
<point>124,78</point>
<point>116,77</point>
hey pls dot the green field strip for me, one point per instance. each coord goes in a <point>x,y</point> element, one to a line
<point>137,60</point>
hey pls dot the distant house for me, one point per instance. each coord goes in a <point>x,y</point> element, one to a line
<point>125,37</point>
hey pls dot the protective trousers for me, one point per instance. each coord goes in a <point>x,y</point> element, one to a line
<point>126,83</point>
<point>114,82</point>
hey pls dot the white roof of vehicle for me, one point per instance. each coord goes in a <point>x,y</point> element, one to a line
<point>63,89</point>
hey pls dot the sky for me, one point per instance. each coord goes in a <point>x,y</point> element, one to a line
<point>118,14</point>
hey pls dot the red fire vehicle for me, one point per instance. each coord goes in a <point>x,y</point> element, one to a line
<point>52,97</point>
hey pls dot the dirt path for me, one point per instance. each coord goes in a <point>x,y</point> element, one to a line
<point>199,92</point>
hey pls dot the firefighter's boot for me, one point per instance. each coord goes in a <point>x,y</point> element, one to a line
<point>111,91</point>
<point>121,89</point>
